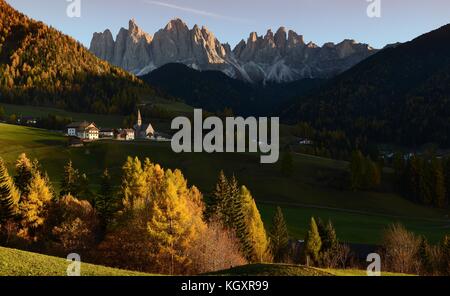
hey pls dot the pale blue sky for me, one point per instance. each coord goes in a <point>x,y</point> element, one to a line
<point>318,20</point>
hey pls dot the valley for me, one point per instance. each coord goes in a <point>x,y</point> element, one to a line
<point>358,216</point>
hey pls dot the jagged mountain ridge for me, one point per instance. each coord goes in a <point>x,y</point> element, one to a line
<point>279,57</point>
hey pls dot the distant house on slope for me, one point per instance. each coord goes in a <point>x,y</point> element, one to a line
<point>83,130</point>
<point>127,134</point>
<point>143,130</point>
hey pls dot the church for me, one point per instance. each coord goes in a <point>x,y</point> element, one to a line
<point>143,130</point>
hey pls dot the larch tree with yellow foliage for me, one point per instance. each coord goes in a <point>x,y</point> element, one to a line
<point>254,234</point>
<point>173,225</point>
<point>34,206</point>
<point>134,184</point>
<point>9,195</point>
<point>24,173</point>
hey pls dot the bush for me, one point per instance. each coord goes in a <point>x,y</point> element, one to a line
<point>73,225</point>
<point>400,249</point>
<point>216,249</point>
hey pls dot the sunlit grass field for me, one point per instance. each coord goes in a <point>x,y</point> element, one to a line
<point>21,263</point>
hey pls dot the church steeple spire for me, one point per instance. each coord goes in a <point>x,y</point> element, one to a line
<point>139,120</point>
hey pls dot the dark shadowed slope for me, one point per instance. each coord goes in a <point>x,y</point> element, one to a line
<point>401,94</point>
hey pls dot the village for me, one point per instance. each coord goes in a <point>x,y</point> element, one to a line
<point>80,132</point>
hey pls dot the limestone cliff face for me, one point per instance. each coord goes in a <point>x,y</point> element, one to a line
<point>279,57</point>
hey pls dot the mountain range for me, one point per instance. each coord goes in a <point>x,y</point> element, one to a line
<point>282,56</point>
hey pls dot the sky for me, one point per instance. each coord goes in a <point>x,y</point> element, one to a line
<point>319,21</point>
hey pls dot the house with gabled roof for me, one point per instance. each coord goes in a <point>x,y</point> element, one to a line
<point>83,130</point>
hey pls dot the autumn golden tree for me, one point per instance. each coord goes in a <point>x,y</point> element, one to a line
<point>134,186</point>
<point>9,195</point>
<point>34,206</point>
<point>24,173</point>
<point>159,223</point>
<point>255,234</point>
<point>173,226</point>
<point>74,225</point>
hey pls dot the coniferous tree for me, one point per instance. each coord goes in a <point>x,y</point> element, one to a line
<point>256,235</point>
<point>105,202</point>
<point>424,256</point>
<point>313,243</point>
<point>70,183</point>
<point>84,192</point>
<point>217,205</point>
<point>279,237</point>
<point>134,185</point>
<point>9,195</point>
<point>233,202</point>
<point>329,239</point>
<point>24,173</point>
<point>373,174</point>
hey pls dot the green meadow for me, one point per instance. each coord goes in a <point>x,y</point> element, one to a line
<point>313,190</point>
<point>21,263</point>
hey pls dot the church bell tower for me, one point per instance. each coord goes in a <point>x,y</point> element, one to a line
<point>139,120</point>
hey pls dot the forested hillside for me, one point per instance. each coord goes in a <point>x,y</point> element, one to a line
<point>215,91</point>
<point>401,95</point>
<point>41,66</point>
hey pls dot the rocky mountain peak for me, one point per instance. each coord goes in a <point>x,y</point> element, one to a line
<point>176,25</point>
<point>294,39</point>
<point>282,56</point>
<point>281,38</point>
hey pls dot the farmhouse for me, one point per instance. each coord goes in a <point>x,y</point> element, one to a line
<point>83,130</point>
<point>143,130</point>
<point>125,134</point>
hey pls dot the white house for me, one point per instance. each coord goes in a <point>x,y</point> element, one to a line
<point>125,134</point>
<point>83,130</point>
<point>129,134</point>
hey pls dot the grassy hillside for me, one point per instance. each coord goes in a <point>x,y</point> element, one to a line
<point>356,272</point>
<point>292,270</point>
<point>358,216</point>
<point>271,270</point>
<point>20,263</point>
<point>107,121</point>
